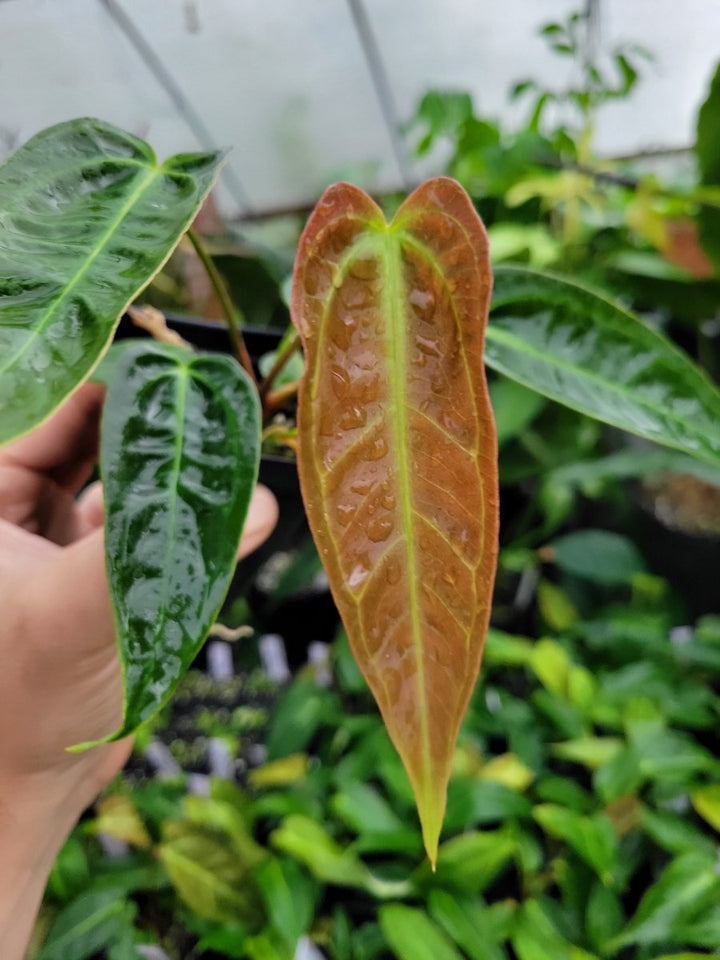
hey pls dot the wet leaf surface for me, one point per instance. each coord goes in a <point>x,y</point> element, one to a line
<point>397,455</point>
<point>88,217</point>
<point>179,459</point>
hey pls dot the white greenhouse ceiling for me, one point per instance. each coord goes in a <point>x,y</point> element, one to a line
<point>306,91</point>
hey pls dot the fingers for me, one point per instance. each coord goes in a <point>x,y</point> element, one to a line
<point>65,447</point>
<point>89,514</point>
<point>261,519</point>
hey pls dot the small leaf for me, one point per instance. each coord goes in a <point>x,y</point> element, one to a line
<point>179,458</point>
<point>591,752</point>
<point>117,817</point>
<point>580,349</point>
<point>289,895</point>
<point>470,924</point>
<point>591,837</point>
<point>309,843</point>
<point>508,770</point>
<point>87,925</point>
<point>89,217</point>
<point>278,773</point>
<point>706,801</point>
<point>397,455</point>
<point>556,607</point>
<point>412,936</point>
<point>535,937</point>
<point>688,883</point>
<point>208,875</point>
<point>597,555</point>
<point>470,862</point>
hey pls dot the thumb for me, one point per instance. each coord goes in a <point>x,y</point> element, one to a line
<point>76,606</point>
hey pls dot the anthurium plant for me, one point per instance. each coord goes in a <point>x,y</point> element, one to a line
<point>397,450</point>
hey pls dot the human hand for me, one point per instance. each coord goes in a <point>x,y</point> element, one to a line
<point>60,681</point>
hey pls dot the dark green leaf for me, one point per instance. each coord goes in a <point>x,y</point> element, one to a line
<point>580,349</point>
<point>89,217</point>
<point>685,886</point>
<point>70,872</point>
<point>707,148</point>
<point>597,555</point>
<point>469,923</point>
<point>289,896</point>
<point>470,862</point>
<point>179,459</point>
<point>535,937</point>
<point>87,925</point>
<point>412,936</point>
<point>591,837</point>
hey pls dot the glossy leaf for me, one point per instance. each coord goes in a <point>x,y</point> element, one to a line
<point>397,455</point>
<point>584,351</point>
<point>88,217</point>
<point>179,459</point>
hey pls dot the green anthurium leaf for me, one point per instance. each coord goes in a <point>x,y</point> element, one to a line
<point>87,925</point>
<point>179,459</point>
<point>577,347</point>
<point>89,216</point>
<point>413,936</point>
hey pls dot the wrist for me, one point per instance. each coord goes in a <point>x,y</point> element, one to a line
<point>33,828</point>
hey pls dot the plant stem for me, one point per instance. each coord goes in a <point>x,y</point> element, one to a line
<point>233,316</point>
<point>280,362</point>
<point>276,399</point>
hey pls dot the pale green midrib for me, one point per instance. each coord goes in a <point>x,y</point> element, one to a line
<point>182,375</point>
<point>396,338</point>
<point>103,913</point>
<point>521,346</point>
<point>150,177</point>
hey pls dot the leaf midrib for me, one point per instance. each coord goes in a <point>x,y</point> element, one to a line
<point>396,340</point>
<point>150,177</point>
<point>87,924</point>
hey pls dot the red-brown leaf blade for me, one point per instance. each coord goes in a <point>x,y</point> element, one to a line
<point>397,455</point>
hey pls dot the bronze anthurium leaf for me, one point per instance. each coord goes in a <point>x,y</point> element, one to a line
<point>398,455</point>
